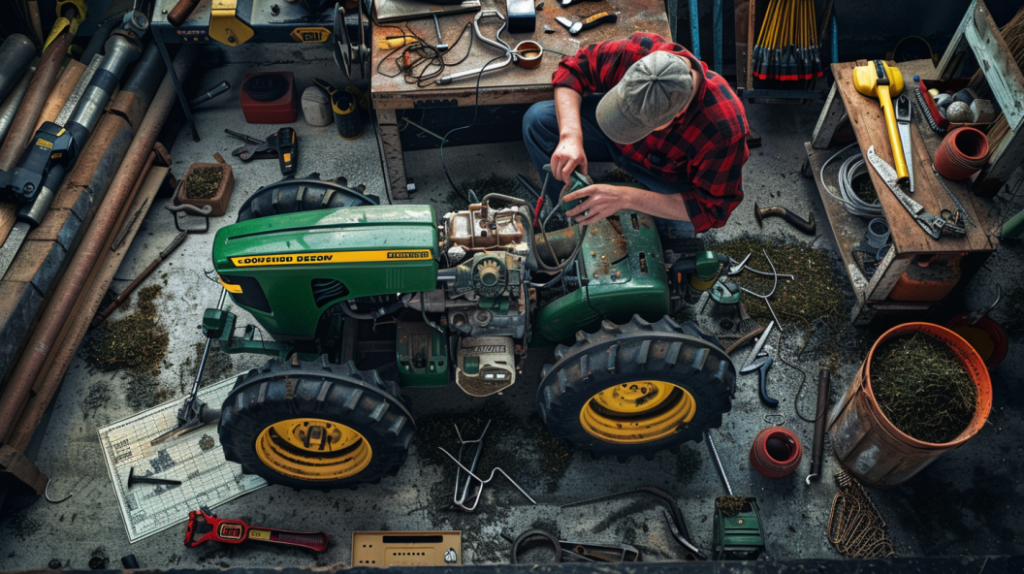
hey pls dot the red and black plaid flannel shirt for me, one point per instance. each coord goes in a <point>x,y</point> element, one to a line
<point>707,147</point>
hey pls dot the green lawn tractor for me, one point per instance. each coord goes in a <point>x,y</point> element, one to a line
<point>355,301</point>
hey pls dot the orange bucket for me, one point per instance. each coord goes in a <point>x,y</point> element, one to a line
<point>870,446</point>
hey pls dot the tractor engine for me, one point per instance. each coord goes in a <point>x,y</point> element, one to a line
<point>483,296</point>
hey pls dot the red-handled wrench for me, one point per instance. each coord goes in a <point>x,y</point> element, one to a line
<point>205,527</point>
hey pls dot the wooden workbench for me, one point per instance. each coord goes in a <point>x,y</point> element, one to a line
<point>909,241</point>
<point>509,85</point>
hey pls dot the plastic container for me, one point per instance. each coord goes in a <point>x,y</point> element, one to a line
<point>986,336</point>
<point>870,446</point>
<point>928,278</point>
<point>776,452</point>
<point>962,153</point>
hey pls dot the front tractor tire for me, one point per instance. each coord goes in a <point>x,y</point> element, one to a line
<point>314,424</point>
<point>636,389</point>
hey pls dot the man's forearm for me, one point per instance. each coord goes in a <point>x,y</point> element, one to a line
<point>567,109</point>
<point>664,205</point>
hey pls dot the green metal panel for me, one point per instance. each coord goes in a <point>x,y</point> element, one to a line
<point>371,250</point>
<point>623,275</point>
<point>422,355</point>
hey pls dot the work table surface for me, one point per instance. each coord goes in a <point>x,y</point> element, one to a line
<point>510,84</point>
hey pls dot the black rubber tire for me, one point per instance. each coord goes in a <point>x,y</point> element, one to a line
<point>324,390</point>
<point>307,194</point>
<point>617,354</point>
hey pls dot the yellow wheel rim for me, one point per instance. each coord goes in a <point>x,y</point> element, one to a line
<point>313,449</point>
<point>638,412</point>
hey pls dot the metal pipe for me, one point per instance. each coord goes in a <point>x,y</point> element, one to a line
<point>35,355</point>
<point>694,29</point>
<point>71,338</point>
<point>32,105</point>
<point>100,36</point>
<point>9,109</point>
<point>16,53</point>
<point>120,52</point>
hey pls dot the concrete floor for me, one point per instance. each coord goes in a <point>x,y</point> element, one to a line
<point>961,505</point>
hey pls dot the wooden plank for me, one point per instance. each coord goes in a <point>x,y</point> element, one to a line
<point>741,11</point>
<point>888,273</point>
<point>997,63</point>
<point>394,161</point>
<point>831,116</point>
<point>751,25</point>
<point>869,125</point>
<point>847,230</point>
<point>634,16</point>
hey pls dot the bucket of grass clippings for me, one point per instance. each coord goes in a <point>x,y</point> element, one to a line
<point>921,391</point>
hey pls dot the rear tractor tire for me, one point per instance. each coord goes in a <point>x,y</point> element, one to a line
<point>314,424</point>
<point>636,389</point>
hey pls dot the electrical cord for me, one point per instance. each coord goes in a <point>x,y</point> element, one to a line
<point>851,167</point>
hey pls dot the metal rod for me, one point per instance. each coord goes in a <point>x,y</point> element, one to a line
<point>717,17</point>
<point>102,315</point>
<point>718,461</point>
<point>206,352</point>
<point>491,477</point>
<point>159,41</point>
<point>461,500</point>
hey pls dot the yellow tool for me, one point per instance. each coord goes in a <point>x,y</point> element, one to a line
<point>396,42</point>
<point>882,81</point>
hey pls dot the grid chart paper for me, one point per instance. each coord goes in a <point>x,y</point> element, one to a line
<point>196,459</point>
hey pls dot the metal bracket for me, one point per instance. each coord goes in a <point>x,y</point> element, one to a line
<point>225,26</point>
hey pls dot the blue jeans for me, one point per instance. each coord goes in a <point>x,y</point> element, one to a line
<point>540,133</point>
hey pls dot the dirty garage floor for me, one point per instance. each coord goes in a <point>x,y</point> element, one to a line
<point>963,504</point>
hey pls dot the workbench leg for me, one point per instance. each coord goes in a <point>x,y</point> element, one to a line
<point>742,22</point>
<point>887,274</point>
<point>391,154</point>
<point>831,116</point>
<point>158,38</point>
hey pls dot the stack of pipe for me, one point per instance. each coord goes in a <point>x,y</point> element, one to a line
<point>63,323</point>
<point>787,46</point>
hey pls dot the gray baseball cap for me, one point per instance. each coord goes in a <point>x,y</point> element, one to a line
<point>651,92</point>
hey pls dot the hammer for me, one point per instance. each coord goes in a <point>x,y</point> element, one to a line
<point>804,225</point>
<point>882,81</point>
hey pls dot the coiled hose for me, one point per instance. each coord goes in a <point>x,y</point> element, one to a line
<point>851,167</point>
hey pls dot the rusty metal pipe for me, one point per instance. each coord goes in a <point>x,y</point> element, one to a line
<point>65,296</point>
<point>38,92</point>
<point>48,382</point>
<point>804,225</point>
<point>120,299</point>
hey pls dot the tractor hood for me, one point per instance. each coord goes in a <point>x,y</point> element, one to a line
<point>288,269</point>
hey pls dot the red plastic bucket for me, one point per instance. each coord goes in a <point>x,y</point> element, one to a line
<point>776,452</point>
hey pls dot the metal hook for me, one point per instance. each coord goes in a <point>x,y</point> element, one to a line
<point>489,478</point>
<point>460,500</point>
<point>978,315</point>
<point>46,494</point>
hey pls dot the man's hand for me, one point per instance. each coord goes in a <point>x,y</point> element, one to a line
<point>568,156</point>
<point>601,200</point>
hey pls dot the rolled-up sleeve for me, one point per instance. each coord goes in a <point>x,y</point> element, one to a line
<point>717,183</point>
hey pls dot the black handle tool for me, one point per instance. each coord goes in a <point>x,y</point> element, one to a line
<point>287,146</point>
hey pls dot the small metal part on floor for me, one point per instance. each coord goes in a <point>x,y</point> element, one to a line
<point>196,459</point>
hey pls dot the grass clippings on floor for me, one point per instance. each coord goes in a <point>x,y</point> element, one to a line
<point>137,342</point>
<point>815,295</point>
<point>923,388</point>
<point>1013,309</point>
